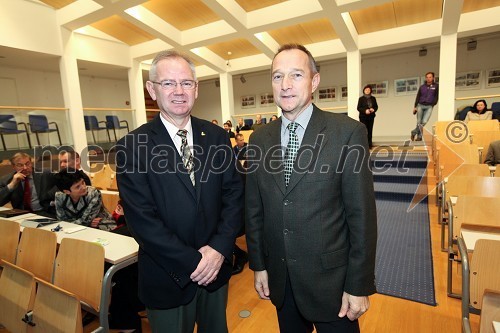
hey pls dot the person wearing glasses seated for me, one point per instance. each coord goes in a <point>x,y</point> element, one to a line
<point>26,188</point>
<point>81,204</point>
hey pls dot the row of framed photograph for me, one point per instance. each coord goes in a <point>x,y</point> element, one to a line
<point>402,87</point>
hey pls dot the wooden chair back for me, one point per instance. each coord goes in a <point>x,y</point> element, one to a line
<point>102,178</point>
<point>457,154</point>
<point>246,135</point>
<point>17,293</point>
<point>110,200</point>
<point>484,270</point>
<point>80,270</point>
<point>483,139</point>
<point>233,142</point>
<point>465,169</point>
<point>473,185</point>
<point>113,185</point>
<point>490,311</point>
<point>483,125</point>
<point>55,310</point>
<point>475,211</point>
<point>37,252</point>
<point>9,239</point>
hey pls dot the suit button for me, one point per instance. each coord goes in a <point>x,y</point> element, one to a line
<point>285,231</point>
<point>287,202</point>
<point>283,259</point>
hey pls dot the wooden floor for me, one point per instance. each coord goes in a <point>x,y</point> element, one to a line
<point>387,314</point>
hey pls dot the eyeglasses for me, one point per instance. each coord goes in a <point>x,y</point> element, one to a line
<point>171,84</point>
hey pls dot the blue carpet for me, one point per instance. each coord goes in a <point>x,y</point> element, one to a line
<point>404,265</point>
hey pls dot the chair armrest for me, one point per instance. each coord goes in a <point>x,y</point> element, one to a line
<point>126,123</point>
<point>55,124</point>
<point>24,124</point>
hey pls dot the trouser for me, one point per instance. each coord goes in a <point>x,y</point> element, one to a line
<point>369,128</point>
<point>291,320</point>
<point>424,113</point>
<point>207,309</point>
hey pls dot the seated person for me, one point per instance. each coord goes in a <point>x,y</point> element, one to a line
<point>81,204</point>
<point>71,159</point>
<point>258,123</point>
<point>241,126</point>
<point>479,112</point>
<point>227,128</point>
<point>26,188</point>
<point>493,154</point>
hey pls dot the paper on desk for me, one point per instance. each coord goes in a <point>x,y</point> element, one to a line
<point>102,241</point>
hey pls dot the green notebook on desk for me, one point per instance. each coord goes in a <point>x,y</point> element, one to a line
<point>12,212</point>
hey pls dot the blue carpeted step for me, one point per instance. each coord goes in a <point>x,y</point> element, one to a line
<point>403,160</point>
<point>398,191</point>
<point>398,175</point>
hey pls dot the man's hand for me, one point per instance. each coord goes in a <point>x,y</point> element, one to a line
<point>353,306</point>
<point>16,179</point>
<point>208,267</point>
<point>261,284</point>
<point>415,111</point>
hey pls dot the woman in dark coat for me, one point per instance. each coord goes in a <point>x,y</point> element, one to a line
<point>367,106</point>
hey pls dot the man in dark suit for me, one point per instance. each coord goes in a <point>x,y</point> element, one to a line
<point>184,202</point>
<point>71,159</point>
<point>311,218</point>
<point>26,189</point>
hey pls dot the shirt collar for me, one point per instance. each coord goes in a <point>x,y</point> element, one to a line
<point>302,119</point>
<point>172,129</point>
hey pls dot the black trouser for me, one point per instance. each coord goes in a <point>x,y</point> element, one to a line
<point>369,127</point>
<point>291,321</point>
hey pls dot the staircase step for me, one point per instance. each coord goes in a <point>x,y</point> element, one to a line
<point>398,191</point>
<point>398,175</point>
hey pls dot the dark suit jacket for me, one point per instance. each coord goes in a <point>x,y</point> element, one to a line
<point>242,128</point>
<point>322,228</point>
<point>171,219</point>
<point>45,189</point>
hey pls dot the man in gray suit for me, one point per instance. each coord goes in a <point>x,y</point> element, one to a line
<point>311,218</point>
<point>493,154</point>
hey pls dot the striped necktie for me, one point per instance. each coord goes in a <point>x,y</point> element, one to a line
<point>187,157</point>
<point>291,150</point>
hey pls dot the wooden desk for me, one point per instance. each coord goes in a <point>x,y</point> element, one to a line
<point>121,251</point>
<point>471,236</point>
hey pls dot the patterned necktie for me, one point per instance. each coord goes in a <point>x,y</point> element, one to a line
<point>27,194</point>
<point>187,157</point>
<point>291,150</point>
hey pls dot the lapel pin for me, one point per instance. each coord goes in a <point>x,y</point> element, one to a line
<point>202,133</point>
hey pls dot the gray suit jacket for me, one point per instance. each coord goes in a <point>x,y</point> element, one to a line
<point>493,154</point>
<point>322,228</point>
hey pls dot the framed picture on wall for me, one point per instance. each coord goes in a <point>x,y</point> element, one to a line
<point>248,102</point>
<point>468,80</point>
<point>407,86</point>
<point>326,94</point>
<point>266,99</point>
<point>379,88</point>
<point>493,78</point>
<point>343,93</point>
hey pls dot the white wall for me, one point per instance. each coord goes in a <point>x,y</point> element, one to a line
<point>41,88</point>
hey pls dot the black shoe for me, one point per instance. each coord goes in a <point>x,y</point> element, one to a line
<point>412,137</point>
<point>240,259</point>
